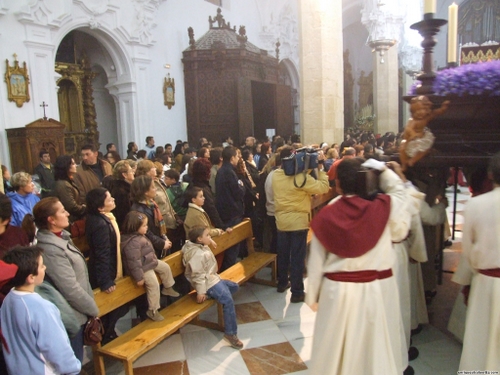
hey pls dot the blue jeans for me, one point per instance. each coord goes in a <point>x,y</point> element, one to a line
<point>231,254</point>
<point>292,255</point>
<point>222,293</point>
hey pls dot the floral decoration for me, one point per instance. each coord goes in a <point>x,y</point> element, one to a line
<point>470,79</point>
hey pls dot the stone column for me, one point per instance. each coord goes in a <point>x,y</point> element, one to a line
<point>321,71</point>
<point>385,91</point>
<point>407,83</point>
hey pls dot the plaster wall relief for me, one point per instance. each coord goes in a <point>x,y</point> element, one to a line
<point>144,20</point>
<point>44,12</point>
<point>281,25</point>
<point>3,8</point>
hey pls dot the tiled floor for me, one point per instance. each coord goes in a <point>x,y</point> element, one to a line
<point>277,338</point>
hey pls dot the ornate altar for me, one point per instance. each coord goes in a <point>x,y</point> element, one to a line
<point>232,87</point>
<point>25,143</point>
<point>76,103</point>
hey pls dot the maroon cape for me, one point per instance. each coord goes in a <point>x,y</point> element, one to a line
<point>352,226</point>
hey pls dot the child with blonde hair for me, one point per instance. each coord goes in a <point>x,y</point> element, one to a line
<point>143,265</point>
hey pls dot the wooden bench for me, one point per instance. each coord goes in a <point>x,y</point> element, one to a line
<point>145,336</point>
<point>319,201</point>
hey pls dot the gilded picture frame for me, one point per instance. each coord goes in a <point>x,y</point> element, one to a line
<point>17,80</point>
<point>169,91</point>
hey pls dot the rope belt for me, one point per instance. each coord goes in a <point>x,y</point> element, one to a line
<point>359,276</point>
<point>492,272</point>
<point>404,239</point>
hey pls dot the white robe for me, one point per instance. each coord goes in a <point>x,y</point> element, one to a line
<point>481,250</point>
<point>414,247</point>
<point>417,251</point>
<point>353,334</point>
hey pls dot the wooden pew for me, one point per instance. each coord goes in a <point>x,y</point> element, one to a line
<point>319,201</point>
<point>145,336</point>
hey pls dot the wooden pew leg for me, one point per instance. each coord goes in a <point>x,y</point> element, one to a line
<point>129,367</point>
<point>272,282</point>
<point>98,360</point>
<point>219,326</point>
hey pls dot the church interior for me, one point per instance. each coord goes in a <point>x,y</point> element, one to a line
<point>109,71</point>
<point>115,73</point>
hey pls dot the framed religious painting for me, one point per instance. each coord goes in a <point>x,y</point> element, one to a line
<point>169,91</point>
<point>17,80</point>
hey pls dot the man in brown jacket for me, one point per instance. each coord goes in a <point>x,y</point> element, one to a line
<point>91,171</point>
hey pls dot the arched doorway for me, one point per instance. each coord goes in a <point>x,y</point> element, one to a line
<point>290,77</point>
<point>86,106</point>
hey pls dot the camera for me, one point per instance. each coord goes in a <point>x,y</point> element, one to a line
<point>300,161</point>
<point>367,183</point>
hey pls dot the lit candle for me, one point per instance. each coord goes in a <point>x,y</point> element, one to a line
<point>452,32</point>
<point>429,6</point>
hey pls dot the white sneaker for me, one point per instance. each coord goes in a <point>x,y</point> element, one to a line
<point>170,292</point>
<point>154,315</point>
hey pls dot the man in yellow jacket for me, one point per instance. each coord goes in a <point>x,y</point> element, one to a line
<point>293,213</point>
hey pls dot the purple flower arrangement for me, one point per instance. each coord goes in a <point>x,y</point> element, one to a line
<point>470,79</point>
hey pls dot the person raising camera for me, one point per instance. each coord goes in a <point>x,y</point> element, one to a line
<point>293,212</point>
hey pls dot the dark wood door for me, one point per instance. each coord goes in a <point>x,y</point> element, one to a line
<point>284,111</point>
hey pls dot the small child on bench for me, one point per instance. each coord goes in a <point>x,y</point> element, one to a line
<point>201,271</point>
<point>143,265</point>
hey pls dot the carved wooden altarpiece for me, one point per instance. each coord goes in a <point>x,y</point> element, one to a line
<point>76,105</point>
<point>223,74</point>
<point>25,143</point>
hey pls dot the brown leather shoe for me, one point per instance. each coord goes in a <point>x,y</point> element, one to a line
<point>234,341</point>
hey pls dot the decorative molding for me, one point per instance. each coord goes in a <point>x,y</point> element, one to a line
<point>3,8</point>
<point>144,20</point>
<point>96,7</point>
<point>94,24</point>
<point>140,31</point>
<point>38,12</point>
<point>284,28</point>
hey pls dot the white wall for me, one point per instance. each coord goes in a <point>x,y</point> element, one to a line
<point>136,37</point>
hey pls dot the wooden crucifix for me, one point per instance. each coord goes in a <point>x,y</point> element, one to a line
<point>44,105</point>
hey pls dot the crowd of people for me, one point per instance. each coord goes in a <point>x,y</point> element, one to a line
<point>364,262</point>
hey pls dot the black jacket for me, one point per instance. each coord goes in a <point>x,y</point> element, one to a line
<point>120,190</point>
<point>262,161</point>
<point>254,172</point>
<point>47,179</point>
<point>101,238</point>
<point>230,193</point>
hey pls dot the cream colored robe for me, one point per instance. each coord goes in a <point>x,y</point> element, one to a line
<point>353,334</point>
<point>481,250</point>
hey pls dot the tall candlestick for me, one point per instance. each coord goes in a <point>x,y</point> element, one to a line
<point>452,33</point>
<point>429,6</point>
